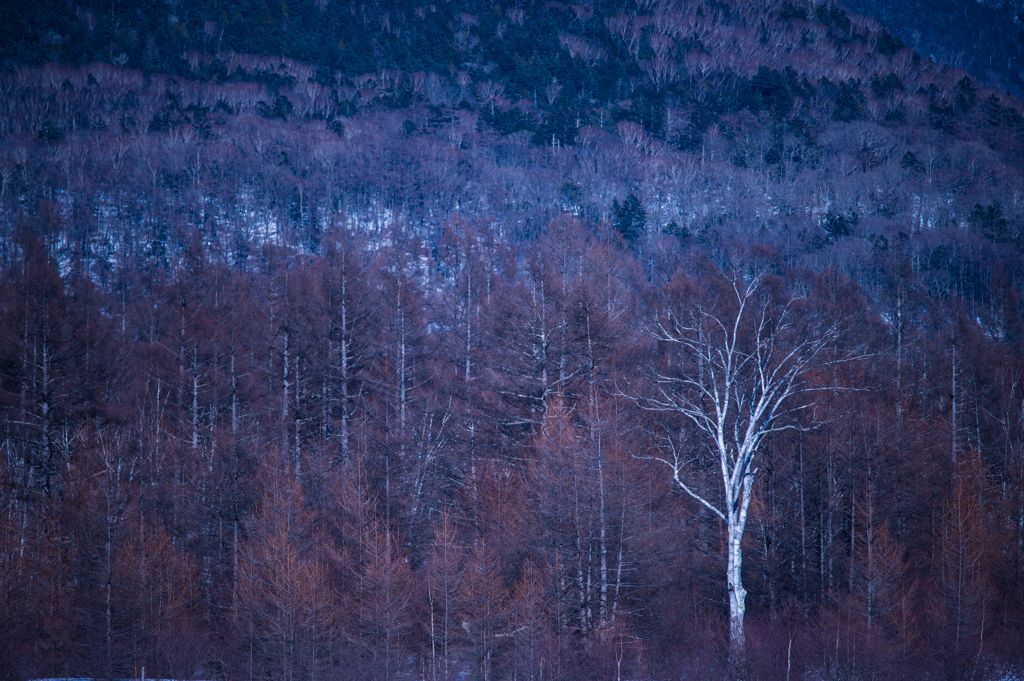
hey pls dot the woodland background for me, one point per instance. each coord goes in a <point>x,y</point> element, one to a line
<point>327,363</point>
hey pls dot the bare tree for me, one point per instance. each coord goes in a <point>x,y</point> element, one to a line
<point>284,598</point>
<point>445,566</point>
<point>739,369</point>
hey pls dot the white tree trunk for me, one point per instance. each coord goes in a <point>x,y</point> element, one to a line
<point>737,599</point>
<point>736,522</point>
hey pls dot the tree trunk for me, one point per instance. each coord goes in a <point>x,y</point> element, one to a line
<point>737,602</point>
<point>735,525</point>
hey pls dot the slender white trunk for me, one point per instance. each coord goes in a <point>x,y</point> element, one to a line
<point>285,403</point>
<point>325,394</point>
<point>581,587</point>
<point>595,435</point>
<point>953,415</point>
<point>109,566</point>
<point>234,480</point>
<point>296,419</point>
<point>469,359</point>
<point>195,398</point>
<point>344,351</point>
<point>48,453</point>
<point>619,558</point>
<point>737,598</point>
<point>736,521</point>
<point>433,637</point>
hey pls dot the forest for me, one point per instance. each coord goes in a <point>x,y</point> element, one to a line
<point>642,340</point>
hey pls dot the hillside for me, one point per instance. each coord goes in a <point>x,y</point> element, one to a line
<point>714,117</point>
<point>985,38</point>
<point>380,341</point>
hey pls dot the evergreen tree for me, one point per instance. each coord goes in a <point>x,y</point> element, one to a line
<point>629,218</point>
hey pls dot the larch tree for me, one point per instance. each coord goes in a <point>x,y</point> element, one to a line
<point>445,566</point>
<point>740,367</point>
<point>285,601</point>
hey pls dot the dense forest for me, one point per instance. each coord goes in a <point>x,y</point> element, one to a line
<point>473,341</point>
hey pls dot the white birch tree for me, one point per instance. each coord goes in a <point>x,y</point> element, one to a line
<point>740,370</point>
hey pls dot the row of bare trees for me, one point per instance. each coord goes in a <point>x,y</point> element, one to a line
<point>446,459</point>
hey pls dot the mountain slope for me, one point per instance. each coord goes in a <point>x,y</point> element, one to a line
<point>811,110</point>
<point>986,38</point>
